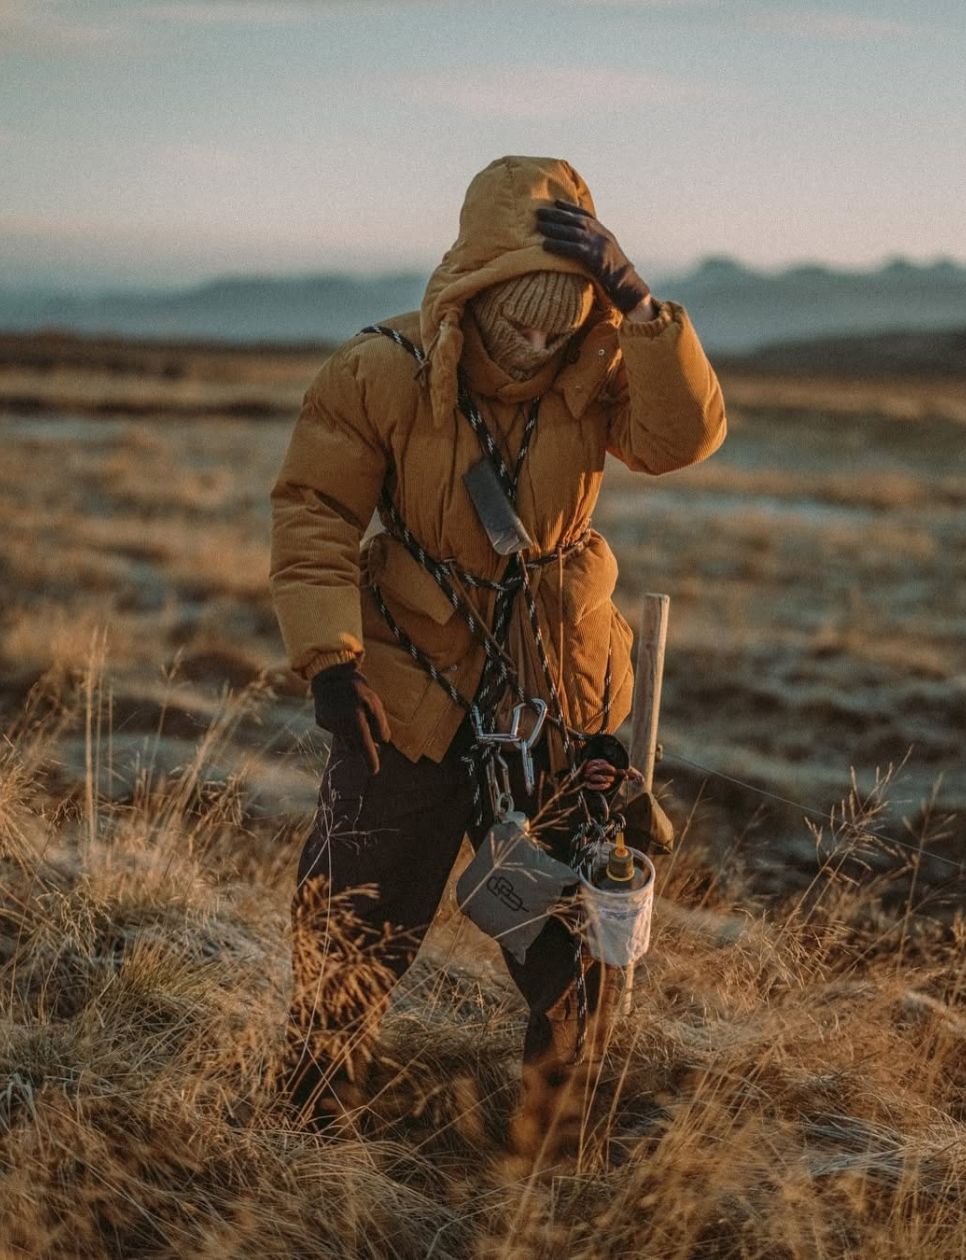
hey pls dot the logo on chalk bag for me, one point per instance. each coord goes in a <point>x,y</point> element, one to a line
<point>502,888</point>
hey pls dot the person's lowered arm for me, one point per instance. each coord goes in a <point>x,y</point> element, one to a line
<point>321,503</point>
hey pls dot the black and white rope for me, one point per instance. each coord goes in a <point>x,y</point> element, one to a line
<point>511,580</point>
<point>496,677</point>
<point>556,708</point>
<point>488,445</point>
<point>418,655</point>
<point>471,412</point>
<point>608,683</point>
<point>435,568</point>
<point>499,670</point>
<point>556,715</point>
<point>399,339</point>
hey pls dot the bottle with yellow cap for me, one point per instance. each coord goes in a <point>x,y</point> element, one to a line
<point>620,873</point>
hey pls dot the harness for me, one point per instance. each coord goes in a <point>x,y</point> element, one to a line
<point>499,670</point>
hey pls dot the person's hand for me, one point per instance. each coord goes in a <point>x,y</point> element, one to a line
<point>573,232</point>
<point>600,775</point>
<point>347,706</point>
<point>603,762</point>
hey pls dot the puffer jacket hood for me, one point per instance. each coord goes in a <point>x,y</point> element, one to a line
<point>498,239</point>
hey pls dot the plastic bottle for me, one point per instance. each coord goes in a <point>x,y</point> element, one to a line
<point>620,873</point>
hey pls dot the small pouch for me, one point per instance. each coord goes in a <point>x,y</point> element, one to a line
<point>648,826</point>
<point>506,532</point>
<point>512,885</point>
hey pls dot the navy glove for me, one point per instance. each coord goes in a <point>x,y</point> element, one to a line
<point>347,706</point>
<point>573,232</point>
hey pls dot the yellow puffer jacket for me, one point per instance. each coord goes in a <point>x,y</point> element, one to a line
<point>643,391</point>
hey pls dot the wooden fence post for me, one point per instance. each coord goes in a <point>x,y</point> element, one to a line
<point>647,684</point>
<point>648,678</point>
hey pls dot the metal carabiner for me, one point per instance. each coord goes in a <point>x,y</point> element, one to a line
<point>512,738</point>
<point>498,785</point>
<point>525,743</point>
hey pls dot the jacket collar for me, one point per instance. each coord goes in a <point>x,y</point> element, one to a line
<point>593,358</point>
<point>576,372</point>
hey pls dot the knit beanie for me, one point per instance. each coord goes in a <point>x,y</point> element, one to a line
<point>556,302</point>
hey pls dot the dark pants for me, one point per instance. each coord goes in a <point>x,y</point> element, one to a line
<point>370,878</point>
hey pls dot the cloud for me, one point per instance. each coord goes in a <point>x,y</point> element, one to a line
<point>233,12</point>
<point>259,12</point>
<point>545,92</point>
<point>47,27</point>
<point>809,23</point>
<point>646,4</point>
<point>65,28</point>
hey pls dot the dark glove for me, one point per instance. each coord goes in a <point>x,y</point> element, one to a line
<point>575,233</point>
<point>347,706</point>
<point>604,760</point>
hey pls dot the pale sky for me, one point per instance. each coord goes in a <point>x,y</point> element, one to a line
<point>146,141</point>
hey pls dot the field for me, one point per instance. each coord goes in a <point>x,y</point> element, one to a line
<point>791,1080</point>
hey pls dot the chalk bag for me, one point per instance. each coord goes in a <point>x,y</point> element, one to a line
<point>619,923</point>
<point>512,885</point>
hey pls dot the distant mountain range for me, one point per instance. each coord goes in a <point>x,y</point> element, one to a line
<point>734,307</point>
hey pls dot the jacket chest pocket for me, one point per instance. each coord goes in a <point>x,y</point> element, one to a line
<point>399,575</point>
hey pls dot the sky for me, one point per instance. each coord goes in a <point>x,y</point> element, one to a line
<point>168,141</point>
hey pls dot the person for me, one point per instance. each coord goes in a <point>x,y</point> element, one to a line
<point>538,350</point>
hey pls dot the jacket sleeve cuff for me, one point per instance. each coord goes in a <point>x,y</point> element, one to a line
<point>651,328</point>
<point>323,660</point>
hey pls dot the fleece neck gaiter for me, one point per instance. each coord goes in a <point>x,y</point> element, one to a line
<point>556,302</point>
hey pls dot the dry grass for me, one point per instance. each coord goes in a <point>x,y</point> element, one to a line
<point>111,376</point>
<point>787,1085</point>
<point>901,398</point>
<point>791,1081</point>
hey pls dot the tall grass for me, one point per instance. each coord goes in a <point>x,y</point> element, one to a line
<point>788,1084</point>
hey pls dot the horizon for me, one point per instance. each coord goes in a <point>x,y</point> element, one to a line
<point>159,143</point>
<point>97,287</point>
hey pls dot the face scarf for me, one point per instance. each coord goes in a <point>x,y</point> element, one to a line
<point>556,302</point>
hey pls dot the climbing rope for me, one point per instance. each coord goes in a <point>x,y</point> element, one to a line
<point>499,670</point>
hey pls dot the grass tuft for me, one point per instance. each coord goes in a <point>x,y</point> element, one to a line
<point>789,1082</point>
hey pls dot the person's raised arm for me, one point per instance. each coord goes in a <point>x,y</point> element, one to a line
<point>668,410</point>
